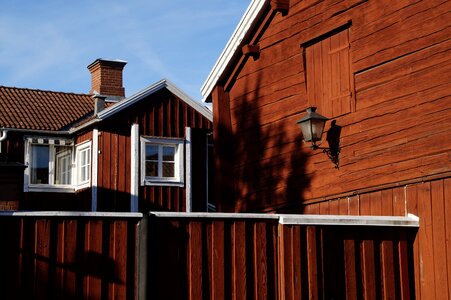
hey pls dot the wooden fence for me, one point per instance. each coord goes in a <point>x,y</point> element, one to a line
<point>68,255</point>
<point>305,257</point>
<point>205,256</point>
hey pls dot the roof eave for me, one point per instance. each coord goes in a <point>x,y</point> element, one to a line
<point>232,47</point>
<point>164,83</point>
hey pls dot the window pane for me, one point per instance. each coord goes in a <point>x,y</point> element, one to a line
<point>168,169</point>
<point>168,153</point>
<point>84,165</point>
<point>151,168</point>
<point>63,165</point>
<point>151,152</point>
<point>39,164</point>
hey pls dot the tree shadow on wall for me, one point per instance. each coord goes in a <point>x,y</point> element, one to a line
<point>269,163</point>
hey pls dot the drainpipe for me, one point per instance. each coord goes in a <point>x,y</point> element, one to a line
<point>3,137</point>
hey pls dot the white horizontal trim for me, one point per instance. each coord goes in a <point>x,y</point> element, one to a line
<point>69,214</point>
<point>169,214</point>
<point>231,47</point>
<point>292,219</point>
<point>409,221</point>
<point>164,83</point>
<point>50,188</point>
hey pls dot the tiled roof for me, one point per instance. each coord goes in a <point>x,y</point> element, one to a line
<point>42,110</point>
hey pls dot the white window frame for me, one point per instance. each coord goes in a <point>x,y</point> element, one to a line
<point>51,187</point>
<point>79,149</point>
<point>178,179</point>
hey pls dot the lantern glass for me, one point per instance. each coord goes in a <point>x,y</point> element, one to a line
<point>312,126</point>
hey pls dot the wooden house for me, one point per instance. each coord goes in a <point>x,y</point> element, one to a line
<point>380,71</point>
<point>104,151</point>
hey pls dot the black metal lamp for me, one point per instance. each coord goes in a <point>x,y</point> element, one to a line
<point>312,126</point>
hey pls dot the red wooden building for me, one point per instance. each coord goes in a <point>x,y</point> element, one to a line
<point>380,71</point>
<point>104,151</point>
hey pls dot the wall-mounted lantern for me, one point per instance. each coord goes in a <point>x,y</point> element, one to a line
<point>312,126</point>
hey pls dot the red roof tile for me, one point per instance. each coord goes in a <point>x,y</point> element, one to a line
<point>42,110</point>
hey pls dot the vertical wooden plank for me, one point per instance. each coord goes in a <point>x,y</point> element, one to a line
<point>399,201</point>
<point>343,206</point>
<point>364,205</point>
<point>334,207</point>
<point>60,269</point>
<point>350,268</point>
<point>368,269</point>
<point>387,202</point>
<point>42,259</point>
<point>93,260</point>
<point>376,203</point>
<point>447,201</point>
<point>438,238</point>
<point>412,207</point>
<point>297,262</point>
<point>285,262</point>
<point>312,260</point>
<point>403,257</point>
<point>195,261</point>
<point>239,260</point>
<point>260,261</point>
<point>324,208</point>
<point>427,276</point>
<point>120,238</point>
<point>354,205</point>
<point>311,209</point>
<point>218,260</point>
<point>70,257</point>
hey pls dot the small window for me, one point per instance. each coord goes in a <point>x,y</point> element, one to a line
<point>328,74</point>
<point>50,165</point>
<point>55,165</point>
<point>162,161</point>
<point>83,155</point>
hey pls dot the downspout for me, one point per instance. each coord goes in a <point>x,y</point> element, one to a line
<point>3,137</point>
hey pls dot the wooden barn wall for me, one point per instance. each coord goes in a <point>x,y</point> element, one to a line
<point>68,258</point>
<point>163,115</point>
<point>260,259</point>
<point>399,125</point>
<point>431,202</point>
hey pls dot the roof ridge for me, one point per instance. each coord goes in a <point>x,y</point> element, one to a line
<point>45,91</point>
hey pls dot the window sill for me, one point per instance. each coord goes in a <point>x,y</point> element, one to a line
<point>148,182</point>
<point>50,189</point>
<point>83,186</point>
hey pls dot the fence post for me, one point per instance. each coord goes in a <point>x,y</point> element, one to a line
<point>142,243</point>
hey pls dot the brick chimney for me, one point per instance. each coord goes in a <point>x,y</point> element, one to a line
<point>106,77</point>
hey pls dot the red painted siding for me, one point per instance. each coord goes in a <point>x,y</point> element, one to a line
<point>398,131</point>
<point>162,114</point>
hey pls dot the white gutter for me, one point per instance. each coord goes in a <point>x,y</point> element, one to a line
<point>231,47</point>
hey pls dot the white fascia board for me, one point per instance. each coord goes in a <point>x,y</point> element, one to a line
<point>164,83</point>
<point>389,221</point>
<point>231,47</point>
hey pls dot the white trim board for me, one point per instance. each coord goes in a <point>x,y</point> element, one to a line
<point>69,214</point>
<point>292,219</point>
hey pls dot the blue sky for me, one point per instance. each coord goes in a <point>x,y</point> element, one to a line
<point>48,44</point>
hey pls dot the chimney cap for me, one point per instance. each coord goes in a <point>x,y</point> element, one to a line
<point>113,62</point>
